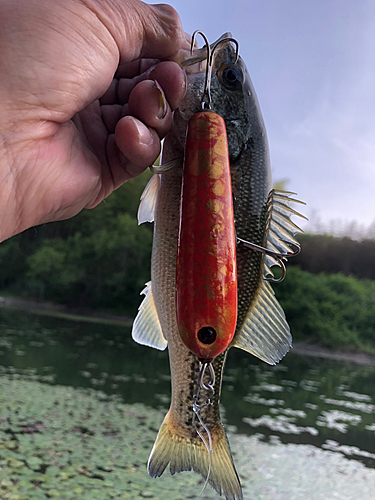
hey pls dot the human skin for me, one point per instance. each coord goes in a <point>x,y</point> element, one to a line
<point>84,101</point>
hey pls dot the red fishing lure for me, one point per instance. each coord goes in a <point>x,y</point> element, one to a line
<point>206,271</point>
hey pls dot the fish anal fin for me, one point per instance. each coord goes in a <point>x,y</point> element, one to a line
<point>264,332</point>
<point>175,448</point>
<point>146,327</point>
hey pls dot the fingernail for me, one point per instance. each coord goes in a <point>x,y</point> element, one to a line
<point>144,136</point>
<point>163,108</point>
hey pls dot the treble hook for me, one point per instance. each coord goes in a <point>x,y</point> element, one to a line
<point>278,256</point>
<point>206,97</point>
<point>197,407</point>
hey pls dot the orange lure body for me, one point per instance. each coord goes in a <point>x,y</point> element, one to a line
<point>206,271</point>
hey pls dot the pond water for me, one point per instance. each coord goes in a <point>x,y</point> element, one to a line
<point>302,401</point>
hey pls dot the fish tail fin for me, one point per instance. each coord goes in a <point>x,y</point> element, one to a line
<point>174,446</point>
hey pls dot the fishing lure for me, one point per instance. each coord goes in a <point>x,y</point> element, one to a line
<point>206,271</point>
<point>206,276</point>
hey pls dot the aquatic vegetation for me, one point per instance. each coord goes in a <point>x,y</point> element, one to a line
<point>60,442</point>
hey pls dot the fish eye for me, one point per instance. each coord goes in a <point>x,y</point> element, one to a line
<point>207,335</point>
<point>231,77</point>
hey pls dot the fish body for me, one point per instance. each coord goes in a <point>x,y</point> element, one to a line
<point>262,217</point>
<point>206,274</point>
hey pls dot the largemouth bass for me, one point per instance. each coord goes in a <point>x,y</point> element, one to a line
<point>262,217</point>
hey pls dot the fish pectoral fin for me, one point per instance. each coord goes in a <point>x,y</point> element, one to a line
<point>146,327</point>
<point>185,454</point>
<point>149,196</point>
<point>265,332</point>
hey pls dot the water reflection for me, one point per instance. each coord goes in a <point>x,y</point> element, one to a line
<point>302,400</point>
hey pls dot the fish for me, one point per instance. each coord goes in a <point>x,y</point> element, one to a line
<point>262,217</point>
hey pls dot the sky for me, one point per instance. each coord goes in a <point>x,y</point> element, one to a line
<point>312,63</point>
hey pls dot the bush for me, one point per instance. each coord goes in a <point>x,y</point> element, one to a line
<point>335,309</point>
<point>98,259</point>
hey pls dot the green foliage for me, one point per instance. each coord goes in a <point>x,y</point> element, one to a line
<point>12,262</point>
<point>339,310</point>
<point>100,258</point>
<point>106,268</point>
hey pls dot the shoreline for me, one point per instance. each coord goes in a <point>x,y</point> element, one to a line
<point>61,311</point>
<point>351,357</point>
<point>57,310</point>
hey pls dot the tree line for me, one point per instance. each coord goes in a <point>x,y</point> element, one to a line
<point>322,253</point>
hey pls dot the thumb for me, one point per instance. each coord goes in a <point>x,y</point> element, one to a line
<point>141,30</point>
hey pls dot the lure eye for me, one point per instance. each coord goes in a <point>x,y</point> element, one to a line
<point>231,77</point>
<point>207,335</point>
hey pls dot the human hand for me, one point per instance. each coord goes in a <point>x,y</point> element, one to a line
<point>71,133</point>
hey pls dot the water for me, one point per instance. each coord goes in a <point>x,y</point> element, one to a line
<point>327,405</point>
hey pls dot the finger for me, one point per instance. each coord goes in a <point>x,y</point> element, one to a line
<point>172,80</point>
<point>141,30</point>
<point>147,102</point>
<point>168,35</point>
<point>170,77</point>
<point>139,144</point>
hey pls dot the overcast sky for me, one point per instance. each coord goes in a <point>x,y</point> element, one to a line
<point>312,63</point>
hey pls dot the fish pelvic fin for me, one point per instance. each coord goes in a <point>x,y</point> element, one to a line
<point>184,453</point>
<point>265,332</point>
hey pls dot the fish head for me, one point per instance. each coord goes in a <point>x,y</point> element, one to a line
<point>232,95</point>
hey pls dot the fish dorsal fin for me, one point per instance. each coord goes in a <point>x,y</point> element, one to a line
<point>146,327</point>
<point>148,200</point>
<point>282,229</point>
<point>265,332</point>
